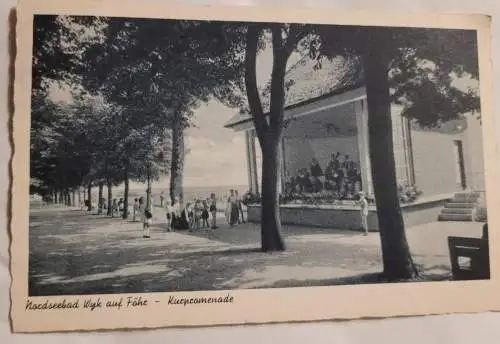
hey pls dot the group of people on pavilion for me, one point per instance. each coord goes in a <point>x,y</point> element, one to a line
<point>341,177</point>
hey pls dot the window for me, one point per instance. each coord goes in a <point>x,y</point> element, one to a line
<point>402,151</point>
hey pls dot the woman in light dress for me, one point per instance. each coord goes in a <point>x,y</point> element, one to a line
<point>227,212</point>
<point>235,212</point>
<point>175,210</point>
<point>213,210</point>
<point>168,214</point>
<point>146,219</point>
<point>135,209</point>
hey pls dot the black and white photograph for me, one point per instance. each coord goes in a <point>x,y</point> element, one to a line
<point>189,155</point>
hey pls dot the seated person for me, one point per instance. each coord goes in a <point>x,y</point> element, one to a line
<point>333,166</point>
<point>317,185</point>
<point>289,189</point>
<point>297,189</point>
<point>316,170</point>
<point>330,185</point>
<point>339,179</point>
<point>348,164</point>
<point>304,181</point>
<point>291,181</point>
<point>182,221</point>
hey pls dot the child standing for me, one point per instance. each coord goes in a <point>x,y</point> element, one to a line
<point>363,212</point>
<point>168,214</point>
<point>239,202</point>
<point>141,208</point>
<point>189,214</point>
<point>197,212</point>
<point>147,224</point>
<point>205,215</point>
<point>146,218</point>
<point>136,209</point>
<point>114,208</point>
<point>175,211</point>
<point>121,205</point>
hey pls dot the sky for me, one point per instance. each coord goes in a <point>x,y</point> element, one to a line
<point>217,155</point>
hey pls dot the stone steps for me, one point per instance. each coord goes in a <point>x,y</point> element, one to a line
<point>460,208</point>
<point>455,217</point>
<point>463,211</point>
<point>460,205</point>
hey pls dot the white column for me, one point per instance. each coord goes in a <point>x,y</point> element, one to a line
<point>249,161</point>
<point>252,162</point>
<point>282,171</point>
<point>361,112</point>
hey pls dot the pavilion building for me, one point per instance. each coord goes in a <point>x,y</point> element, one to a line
<point>324,117</point>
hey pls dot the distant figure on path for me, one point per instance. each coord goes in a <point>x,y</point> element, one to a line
<point>227,212</point>
<point>213,210</point>
<point>136,209</point>
<point>121,205</point>
<point>363,212</point>
<point>114,208</point>
<point>162,198</point>
<point>100,206</point>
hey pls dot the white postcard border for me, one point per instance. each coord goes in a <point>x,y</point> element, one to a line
<point>247,306</point>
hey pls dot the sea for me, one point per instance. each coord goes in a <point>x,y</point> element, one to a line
<point>190,192</point>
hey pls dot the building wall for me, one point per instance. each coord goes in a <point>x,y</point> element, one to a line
<point>473,154</point>
<point>434,162</point>
<point>345,217</point>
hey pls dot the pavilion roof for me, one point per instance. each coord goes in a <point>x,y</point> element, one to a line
<point>305,84</point>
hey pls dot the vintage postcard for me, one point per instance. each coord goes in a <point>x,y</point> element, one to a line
<point>188,165</point>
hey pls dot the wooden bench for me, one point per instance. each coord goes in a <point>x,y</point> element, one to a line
<point>474,248</point>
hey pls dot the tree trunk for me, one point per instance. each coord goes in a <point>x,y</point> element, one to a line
<point>89,196</point>
<point>68,197</point>
<point>397,260</point>
<point>99,201</point>
<point>125,197</point>
<point>73,195</point>
<point>177,163</point>
<point>269,131</point>
<point>270,214</point>
<point>110,199</point>
<point>79,197</point>
<point>61,197</point>
<point>55,197</point>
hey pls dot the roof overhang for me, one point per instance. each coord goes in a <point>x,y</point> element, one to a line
<point>244,122</point>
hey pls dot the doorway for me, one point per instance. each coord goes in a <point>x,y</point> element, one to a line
<point>459,164</point>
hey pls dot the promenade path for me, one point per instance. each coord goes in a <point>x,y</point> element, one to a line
<point>76,252</point>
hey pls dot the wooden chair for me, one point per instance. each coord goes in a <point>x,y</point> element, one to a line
<point>474,248</point>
